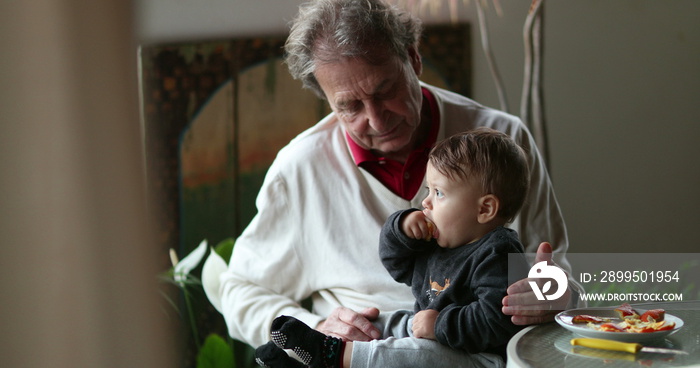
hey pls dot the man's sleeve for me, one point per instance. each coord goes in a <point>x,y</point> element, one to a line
<point>264,279</point>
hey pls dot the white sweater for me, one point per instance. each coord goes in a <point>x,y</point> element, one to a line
<point>319,217</point>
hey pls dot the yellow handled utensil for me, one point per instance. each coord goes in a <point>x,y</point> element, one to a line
<point>628,347</point>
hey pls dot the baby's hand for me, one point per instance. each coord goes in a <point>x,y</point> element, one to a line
<point>415,225</point>
<point>424,324</point>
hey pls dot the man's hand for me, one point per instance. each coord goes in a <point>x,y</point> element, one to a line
<point>424,324</point>
<point>350,325</point>
<point>522,304</point>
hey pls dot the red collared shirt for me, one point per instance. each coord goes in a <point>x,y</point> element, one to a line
<point>403,179</point>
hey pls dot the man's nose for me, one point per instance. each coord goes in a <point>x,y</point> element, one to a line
<point>376,115</point>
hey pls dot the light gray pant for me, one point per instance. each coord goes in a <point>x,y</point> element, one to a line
<point>399,349</point>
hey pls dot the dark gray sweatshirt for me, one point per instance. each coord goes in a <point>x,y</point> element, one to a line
<point>465,284</point>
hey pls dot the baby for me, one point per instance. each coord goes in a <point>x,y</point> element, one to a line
<point>453,254</point>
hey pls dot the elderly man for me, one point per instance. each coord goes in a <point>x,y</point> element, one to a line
<point>329,191</point>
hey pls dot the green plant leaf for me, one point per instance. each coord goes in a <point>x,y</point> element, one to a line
<point>225,248</point>
<point>215,353</point>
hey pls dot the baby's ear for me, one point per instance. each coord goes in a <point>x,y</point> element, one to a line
<point>488,208</point>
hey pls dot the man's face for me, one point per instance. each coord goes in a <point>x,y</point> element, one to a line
<point>378,105</point>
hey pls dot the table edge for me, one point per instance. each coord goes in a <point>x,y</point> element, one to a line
<point>512,359</point>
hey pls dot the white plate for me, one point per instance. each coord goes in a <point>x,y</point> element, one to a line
<point>564,319</point>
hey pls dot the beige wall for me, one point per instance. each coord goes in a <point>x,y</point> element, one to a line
<point>621,85</point>
<point>77,269</point>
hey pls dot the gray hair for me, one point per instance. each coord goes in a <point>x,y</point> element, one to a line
<point>326,30</point>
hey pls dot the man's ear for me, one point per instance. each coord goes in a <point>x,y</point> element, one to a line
<point>488,208</point>
<point>415,59</point>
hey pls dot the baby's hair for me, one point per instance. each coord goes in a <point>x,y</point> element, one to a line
<point>490,159</point>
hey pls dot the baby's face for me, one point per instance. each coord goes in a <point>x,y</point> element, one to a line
<point>452,205</point>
